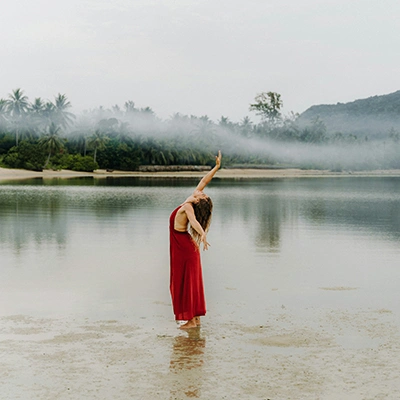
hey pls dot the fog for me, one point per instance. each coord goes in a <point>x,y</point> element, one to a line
<point>288,143</point>
<point>255,143</point>
<point>373,127</point>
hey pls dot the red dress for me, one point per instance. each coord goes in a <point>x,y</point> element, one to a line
<point>186,279</point>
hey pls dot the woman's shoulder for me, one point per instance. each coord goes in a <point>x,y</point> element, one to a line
<point>187,205</point>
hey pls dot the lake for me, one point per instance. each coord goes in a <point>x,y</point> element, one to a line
<point>100,247</point>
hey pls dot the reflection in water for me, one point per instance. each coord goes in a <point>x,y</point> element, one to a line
<point>104,245</point>
<point>40,214</point>
<point>269,225</point>
<point>27,216</point>
<point>43,211</point>
<point>264,208</point>
<point>186,364</point>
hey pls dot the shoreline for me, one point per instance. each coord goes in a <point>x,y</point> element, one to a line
<point>7,174</point>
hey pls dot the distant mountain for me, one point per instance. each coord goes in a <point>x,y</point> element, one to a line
<point>373,117</point>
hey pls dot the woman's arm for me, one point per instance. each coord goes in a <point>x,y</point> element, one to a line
<point>188,208</point>
<point>207,179</point>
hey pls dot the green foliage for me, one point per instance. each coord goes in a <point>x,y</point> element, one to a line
<point>51,141</point>
<point>83,163</point>
<point>6,142</point>
<point>120,156</point>
<point>98,141</point>
<point>27,155</point>
<point>268,106</point>
<point>74,162</point>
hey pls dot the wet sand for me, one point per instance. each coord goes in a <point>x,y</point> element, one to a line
<point>20,174</point>
<point>323,354</point>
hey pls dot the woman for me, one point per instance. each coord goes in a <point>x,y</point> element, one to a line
<point>186,280</point>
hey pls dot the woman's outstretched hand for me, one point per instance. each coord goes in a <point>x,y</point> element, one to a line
<point>203,240</point>
<point>207,178</point>
<point>218,159</point>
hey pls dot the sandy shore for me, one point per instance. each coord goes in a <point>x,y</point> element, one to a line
<point>326,354</point>
<point>20,174</point>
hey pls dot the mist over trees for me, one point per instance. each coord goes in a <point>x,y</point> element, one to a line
<point>41,134</point>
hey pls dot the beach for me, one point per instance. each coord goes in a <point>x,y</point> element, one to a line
<point>292,349</point>
<point>231,173</point>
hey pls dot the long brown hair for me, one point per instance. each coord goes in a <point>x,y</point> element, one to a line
<point>202,210</point>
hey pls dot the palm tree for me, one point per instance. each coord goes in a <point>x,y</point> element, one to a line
<point>60,115</point>
<point>148,112</point>
<point>78,139</point>
<point>204,134</point>
<point>3,114</point>
<point>130,107</point>
<point>51,141</point>
<point>204,126</point>
<point>98,141</point>
<point>37,106</point>
<point>123,133</point>
<point>48,111</point>
<point>178,117</point>
<point>179,124</point>
<point>116,110</point>
<point>17,106</point>
<point>224,122</point>
<point>246,126</point>
<point>36,115</point>
<point>108,125</point>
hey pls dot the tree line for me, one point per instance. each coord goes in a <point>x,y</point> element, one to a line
<point>46,134</point>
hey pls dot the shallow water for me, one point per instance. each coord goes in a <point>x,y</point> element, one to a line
<point>99,248</point>
<point>301,285</point>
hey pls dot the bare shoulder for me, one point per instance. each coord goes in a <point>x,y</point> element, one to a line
<point>186,207</point>
<point>185,212</point>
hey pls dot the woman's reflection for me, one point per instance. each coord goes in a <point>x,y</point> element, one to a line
<point>186,364</point>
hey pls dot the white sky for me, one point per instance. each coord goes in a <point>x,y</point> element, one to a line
<point>200,56</point>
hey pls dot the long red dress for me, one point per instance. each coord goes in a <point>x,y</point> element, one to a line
<point>186,277</point>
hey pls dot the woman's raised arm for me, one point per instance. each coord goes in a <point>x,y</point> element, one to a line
<point>207,178</point>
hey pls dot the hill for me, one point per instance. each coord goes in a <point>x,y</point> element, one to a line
<point>374,116</point>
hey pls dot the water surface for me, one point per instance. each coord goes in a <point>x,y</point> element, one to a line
<point>99,248</point>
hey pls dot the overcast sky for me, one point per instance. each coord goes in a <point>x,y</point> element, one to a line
<point>201,57</point>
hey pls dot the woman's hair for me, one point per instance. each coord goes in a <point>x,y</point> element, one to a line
<point>202,210</point>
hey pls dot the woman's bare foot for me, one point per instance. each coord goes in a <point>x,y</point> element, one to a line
<point>190,324</point>
<point>197,319</point>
